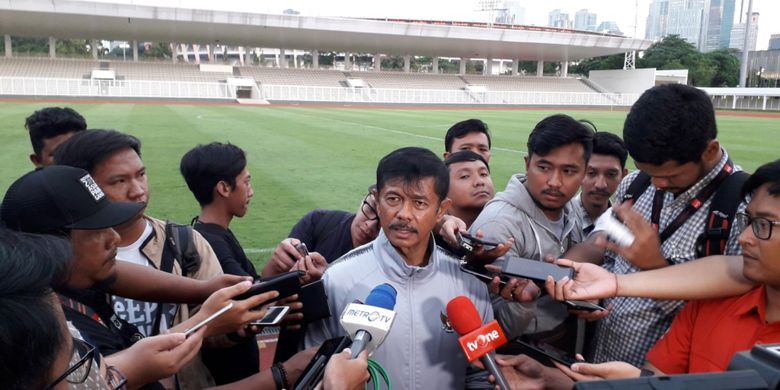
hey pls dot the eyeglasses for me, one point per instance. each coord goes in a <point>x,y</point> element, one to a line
<point>762,227</point>
<point>80,364</point>
<point>368,211</point>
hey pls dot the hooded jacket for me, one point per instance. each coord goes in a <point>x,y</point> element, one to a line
<point>513,213</point>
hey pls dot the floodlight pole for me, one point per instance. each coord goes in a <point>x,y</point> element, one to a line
<point>743,66</point>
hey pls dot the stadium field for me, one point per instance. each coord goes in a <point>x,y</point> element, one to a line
<point>301,158</point>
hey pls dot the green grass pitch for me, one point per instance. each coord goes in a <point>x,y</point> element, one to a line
<point>301,158</point>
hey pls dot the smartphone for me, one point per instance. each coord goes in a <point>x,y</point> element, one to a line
<point>302,250</point>
<point>469,242</point>
<point>315,370</point>
<point>209,319</point>
<point>482,273</point>
<point>273,316</point>
<point>546,354</point>
<point>583,305</point>
<point>535,269</point>
<point>286,284</point>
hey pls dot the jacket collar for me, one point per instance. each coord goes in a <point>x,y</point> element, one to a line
<point>394,265</point>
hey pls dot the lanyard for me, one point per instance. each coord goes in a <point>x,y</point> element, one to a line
<point>693,206</point>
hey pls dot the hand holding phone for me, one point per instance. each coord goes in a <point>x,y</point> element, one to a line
<point>471,243</point>
<point>208,319</point>
<point>273,316</point>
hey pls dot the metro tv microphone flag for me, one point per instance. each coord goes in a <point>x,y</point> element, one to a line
<point>477,341</point>
<point>368,324</point>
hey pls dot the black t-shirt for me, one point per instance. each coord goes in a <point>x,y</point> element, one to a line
<point>242,360</point>
<point>326,232</point>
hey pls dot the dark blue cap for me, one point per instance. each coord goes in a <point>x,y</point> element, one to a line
<point>382,296</point>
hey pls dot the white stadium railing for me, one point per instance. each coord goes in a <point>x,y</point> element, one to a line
<point>434,96</point>
<point>16,86</point>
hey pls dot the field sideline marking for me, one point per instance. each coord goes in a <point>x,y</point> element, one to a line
<point>259,250</point>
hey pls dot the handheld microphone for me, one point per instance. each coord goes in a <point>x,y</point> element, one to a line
<point>477,341</point>
<point>368,324</point>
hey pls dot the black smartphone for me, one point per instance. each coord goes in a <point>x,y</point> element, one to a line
<point>302,250</point>
<point>469,242</point>
<point>482,273</point>
<point>545,353</point>
<point>314,371</point>
<point>583,305</point>
<point>286,284</point>
<point>535,269</point>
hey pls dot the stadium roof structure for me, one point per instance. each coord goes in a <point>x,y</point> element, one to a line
<point>110,21</point>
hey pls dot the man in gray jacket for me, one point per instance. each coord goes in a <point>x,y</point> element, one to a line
<point>534,211</point>
<point>418,353</point>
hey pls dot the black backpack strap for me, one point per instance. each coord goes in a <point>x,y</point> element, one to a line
<point>721,216</point>
<point>637,187</point>
<point>104,314</point>
<point>179,246</point>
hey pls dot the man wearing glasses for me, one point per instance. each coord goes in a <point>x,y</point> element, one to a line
<point>705,335</point>
<point>331,233</point>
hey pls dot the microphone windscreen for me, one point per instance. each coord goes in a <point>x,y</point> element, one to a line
<point>382,296</point>
<point>463,315</point>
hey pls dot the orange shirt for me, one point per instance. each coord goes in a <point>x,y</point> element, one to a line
<point>706,334</point>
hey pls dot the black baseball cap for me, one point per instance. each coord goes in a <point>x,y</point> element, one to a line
<point>60,197</point>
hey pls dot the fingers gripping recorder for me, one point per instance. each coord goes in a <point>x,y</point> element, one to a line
<point>477,341</point>
<point>368,324</point>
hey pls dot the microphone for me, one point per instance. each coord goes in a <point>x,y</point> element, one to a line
<point>368,324</point>
<point>477,341</point>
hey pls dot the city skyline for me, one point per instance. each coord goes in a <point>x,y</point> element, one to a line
<point>621,12</point>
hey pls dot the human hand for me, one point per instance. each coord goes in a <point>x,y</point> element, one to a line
<point>157,357</point>
<point>483,256</point>
<point>342,372</point>
<point>592,315</point>
<point>516,289</point>
<point>590,282</point>
<point>283,259</point>
<point>234,319</point>
<point>221,281</point>
<point>313,265</point>
<point>608,370</point>
<point>645,252</point>
<point>449,226</point>
<point>298,362</point>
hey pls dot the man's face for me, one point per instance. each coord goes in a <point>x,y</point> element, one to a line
<point>239,197</point>
<point>46,157</point>
<point>601,180</point>
<point>409,211</point>
<point>762,257</point>
<point>470,185</point>
<point>474,141</point>
<point>672,176</point>
<point>554,179</point>
<point>94,257</point>
<point>122,176</point>
<point>365,226</point>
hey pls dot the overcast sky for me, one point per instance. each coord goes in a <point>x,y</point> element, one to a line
<point>620,11</point>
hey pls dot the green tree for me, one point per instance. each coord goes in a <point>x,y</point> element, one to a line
<point>28,46</point>
<point>726,67</point>
<point>674,52</point>
<point>584,67</point>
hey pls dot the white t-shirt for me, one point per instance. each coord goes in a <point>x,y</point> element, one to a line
<point>140,313</point>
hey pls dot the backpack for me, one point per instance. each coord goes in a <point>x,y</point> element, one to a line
<point>179,246</point>
<point>721,215</point>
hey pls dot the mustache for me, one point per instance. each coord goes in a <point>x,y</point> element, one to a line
<point>402,226</point>
<point>552,192</point>
<point>602,193</point>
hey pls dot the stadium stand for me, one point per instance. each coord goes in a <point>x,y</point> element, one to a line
<point>50,68</point>
<point>397,80</point>
<point>529,83</point>
<point>164,71</point>
<point>278,76</point>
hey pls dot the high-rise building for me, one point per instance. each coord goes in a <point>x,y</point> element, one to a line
<point>738,34</point>
<point>686,19</point>
<point>584,20</point>
<point>609,27</point>
<point>656,20</point>
<point>512,13</point>
<point>718,23</point>
<point>556,18</point>
<point>774,42</point>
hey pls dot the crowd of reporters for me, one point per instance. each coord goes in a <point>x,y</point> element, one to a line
<point>103,295</point>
